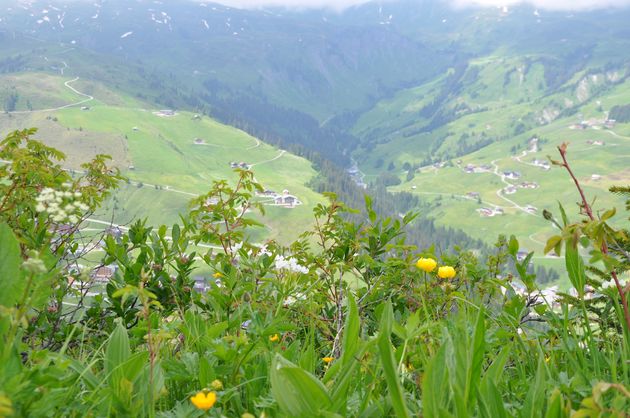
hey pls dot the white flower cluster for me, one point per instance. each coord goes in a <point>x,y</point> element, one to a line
<point>290,300</point>
<point>290,264</point>
<point>61,205</point>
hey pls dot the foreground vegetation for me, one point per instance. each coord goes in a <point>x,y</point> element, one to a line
<point>361,324</point>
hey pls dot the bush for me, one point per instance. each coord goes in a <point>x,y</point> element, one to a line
<point>201,318</point>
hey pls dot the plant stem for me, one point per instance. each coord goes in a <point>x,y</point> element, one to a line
<point>589,213</point>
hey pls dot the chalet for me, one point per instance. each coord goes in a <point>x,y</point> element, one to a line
<point>514,175</point>
<point>166,112</point>
<point>596,177</point>
<point>473,195</point>
<point>609,123</point>
<point>241,165</point>
<point>198,141</point>
<point>544,164</point>
<point>531,209</point>
<point>469,169</point>
<point>85,108</point>
<point>489,212</point>
<point>509,190</point>
<point>103,273</point>
<point>485,168</point>
<point>269,193</point>
<point>135,128</point>
<point>486,212</point>
<point>286,200</point>
<point>528,185</point>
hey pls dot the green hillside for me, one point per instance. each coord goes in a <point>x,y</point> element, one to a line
<point>168,159</point>
<point>487,116</point>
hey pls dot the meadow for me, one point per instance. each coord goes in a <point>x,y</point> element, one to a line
<point>168,159</point>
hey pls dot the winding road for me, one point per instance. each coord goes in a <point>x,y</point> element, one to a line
<point>87,99</point>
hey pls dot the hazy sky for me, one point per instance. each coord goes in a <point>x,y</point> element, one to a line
<point>340,4</point>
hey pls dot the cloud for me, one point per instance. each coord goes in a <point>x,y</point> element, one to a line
<point>547,4</point>
<point>296,4</point>
<point>343,4</point>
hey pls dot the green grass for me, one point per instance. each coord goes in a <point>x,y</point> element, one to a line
<point>161,151</point>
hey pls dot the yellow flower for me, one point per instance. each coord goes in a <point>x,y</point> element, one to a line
<point>217,275</point>
<point>446,272</point>
<point>426,264</point>
<point>328,360</point>
<point>274,338</point>
<point>216,384</point>
<point>203,400</point>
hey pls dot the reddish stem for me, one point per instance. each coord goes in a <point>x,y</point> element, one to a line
<point>589,213</point>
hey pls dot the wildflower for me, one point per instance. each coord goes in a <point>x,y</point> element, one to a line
<point>290,264</point>
<point>426,264</point>
<point>328,360</point>
<point>446,272</point>
<point>216,384</point>
<point>217,275</point>
<point>274,338</point>
<point>203,400</point>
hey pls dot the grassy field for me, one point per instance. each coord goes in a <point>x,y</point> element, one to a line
<point>168,159</point>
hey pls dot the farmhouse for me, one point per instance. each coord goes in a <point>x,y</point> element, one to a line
<point>528,185</point>
<point>596,142</point>
<point>531,209</point>
<point>103,274</point>
<point>165,113</point>
<point>509,190</point>
<point>241,165</point>
<point>544,164</point>
<point>514,175</point>
<point>489,212</point>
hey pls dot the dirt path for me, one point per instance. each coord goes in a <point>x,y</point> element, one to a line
<point>88,98</point>
<point>268,161</point>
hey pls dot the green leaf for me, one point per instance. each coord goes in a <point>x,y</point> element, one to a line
<point>11,282</point>
<point>389,363</point>
<point>298,393</point>
<point>351,332</point>
<point>490,401</point>
<point>118,350</point>
<point>435,385</point>
<point>476,359</point>
<point>534,402</point>
<point>608,214</point>
<point>575,268</point>
<point>513,246</point>
<point>552,243</point>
